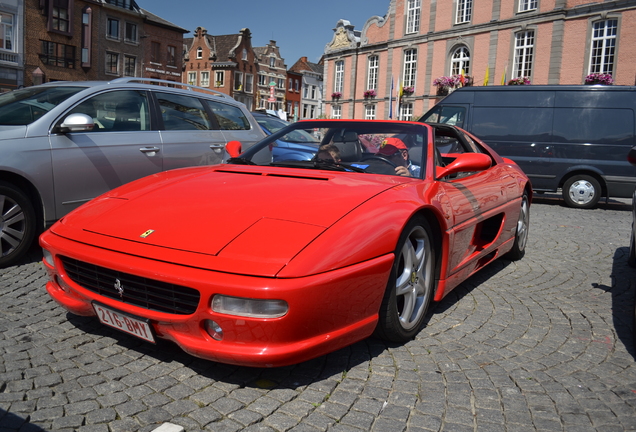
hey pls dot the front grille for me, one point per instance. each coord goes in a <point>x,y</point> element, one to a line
<point>139,291</point>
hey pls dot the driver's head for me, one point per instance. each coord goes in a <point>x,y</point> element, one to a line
<point>395,150</point>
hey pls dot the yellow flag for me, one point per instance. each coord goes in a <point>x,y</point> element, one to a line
<point>487,76</point>
<point>503,77</point>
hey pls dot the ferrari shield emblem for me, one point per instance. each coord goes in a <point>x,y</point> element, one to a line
<point>147,233</point>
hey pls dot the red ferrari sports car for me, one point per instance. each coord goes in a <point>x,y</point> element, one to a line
<point>268,263</point>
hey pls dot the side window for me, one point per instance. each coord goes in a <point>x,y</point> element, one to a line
<point>451,115</point>
<point>116,111</point>
<point>229,117</point>
<point>182,112</point>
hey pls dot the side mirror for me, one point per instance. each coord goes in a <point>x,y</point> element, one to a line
<point>466,162</point>
<point>234,148</point>
<point>77,123</point>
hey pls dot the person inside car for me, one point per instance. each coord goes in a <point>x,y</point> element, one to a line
<point>394,150</point>
<point>329,152</point>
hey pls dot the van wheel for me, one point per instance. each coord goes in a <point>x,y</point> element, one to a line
<point>17,224</point>
<point>582,191</point>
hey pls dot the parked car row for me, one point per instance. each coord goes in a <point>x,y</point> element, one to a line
<point>65,143</point>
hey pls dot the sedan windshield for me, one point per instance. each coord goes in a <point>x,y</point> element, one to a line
<point>24,106</point>
<point>377,147</point>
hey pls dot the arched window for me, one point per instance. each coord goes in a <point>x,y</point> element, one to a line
<point>460,61</point>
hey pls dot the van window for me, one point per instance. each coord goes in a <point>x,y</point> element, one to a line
<point>452,115</point>
<point>512,124</point>
<point>182,112</point>
<point>606,126</point>
<point>228,116</point>
<point>24,106</point>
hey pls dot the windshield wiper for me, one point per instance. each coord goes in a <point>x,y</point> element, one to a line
<point>240,161</point>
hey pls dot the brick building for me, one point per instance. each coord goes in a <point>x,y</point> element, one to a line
<point>292,95</point>
<point>272,77</point>
<point>223,63</point>
<point>75,40</point>
<point>163,48</point>
<point>417,41</point>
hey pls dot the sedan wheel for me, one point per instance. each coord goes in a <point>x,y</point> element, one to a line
<point>17,225</point>
<point>410,288</point>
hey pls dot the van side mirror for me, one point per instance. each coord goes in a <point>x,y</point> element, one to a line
<point>234,148</point>
<point>76,123</point>
<point>466,162</point>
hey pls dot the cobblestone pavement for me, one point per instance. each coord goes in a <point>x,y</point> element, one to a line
<point>541,344</point>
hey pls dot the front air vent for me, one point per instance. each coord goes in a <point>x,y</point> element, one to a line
<point>134,290</point>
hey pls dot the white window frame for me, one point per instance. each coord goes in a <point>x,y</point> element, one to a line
<point>460,60</point>
<point>369,112</point>
<point>372,74</point>
<point>238,81</point>
<point>413,15</point>
<point>192,77</point>
<point>219,78</point>
<point>410,67</point>
<point>7,21</point>
<point>249,83</point>
<point>205,78</point>
<point>338,84</point>
<point>528,5</point>
<point>464,11</point>
<point>406,112</point>
<point>199,53</point>
<point>524,54</point>
<point>603,46</point>
<point>336,111</point>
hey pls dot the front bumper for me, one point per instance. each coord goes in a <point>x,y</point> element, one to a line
<point>326,311</point>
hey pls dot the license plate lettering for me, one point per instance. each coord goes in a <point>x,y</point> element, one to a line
<point>127,324</point>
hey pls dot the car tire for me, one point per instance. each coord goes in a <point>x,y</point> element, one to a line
<point>411,284</point>
<point>582,191</point>
<point>17,224</point>
<point>521,232</point>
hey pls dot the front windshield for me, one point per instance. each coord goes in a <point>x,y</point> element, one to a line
<point>376,147</point>
<point>273,125</point>
<point>24,106</point>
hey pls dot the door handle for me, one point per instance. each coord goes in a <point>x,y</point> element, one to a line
<point>217,148</point>
<point>150,151</point>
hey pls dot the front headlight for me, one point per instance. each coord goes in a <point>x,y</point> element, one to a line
<point>252,308</point>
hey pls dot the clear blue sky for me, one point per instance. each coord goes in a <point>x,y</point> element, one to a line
<point>300,28</point>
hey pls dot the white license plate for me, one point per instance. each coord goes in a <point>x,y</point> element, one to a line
<point>124,322</point>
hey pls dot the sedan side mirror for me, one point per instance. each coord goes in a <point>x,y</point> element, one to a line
<point>466,162</point>
<point>76,123</point>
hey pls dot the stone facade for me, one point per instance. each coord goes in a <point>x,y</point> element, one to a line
<point>490,41</point>
<point>12,45</point>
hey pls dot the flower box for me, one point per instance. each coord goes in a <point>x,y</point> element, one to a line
<point>369,94</point>
<point>599,78</point>
<point>520,81</point>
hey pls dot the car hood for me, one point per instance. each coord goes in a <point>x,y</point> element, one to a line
<point>249,220</point>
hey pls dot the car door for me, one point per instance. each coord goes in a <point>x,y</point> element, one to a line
<point>479,202</point>
<point>236,124</point>
<point>121,147</point>
<point>190,136</point>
